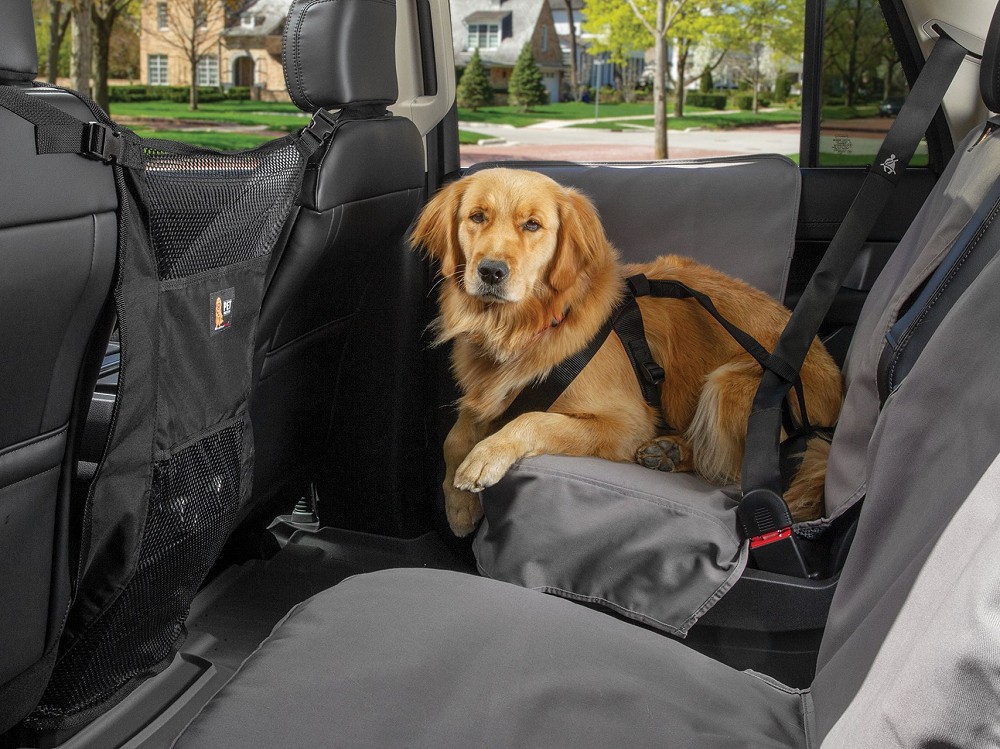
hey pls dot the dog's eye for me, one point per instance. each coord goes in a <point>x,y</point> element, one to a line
<point>532,225</point>
<point>478,217</point>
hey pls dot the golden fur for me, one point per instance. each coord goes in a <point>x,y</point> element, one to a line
<point>563,278</point>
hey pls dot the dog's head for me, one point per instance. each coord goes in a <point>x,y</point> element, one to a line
<point>507,235</point>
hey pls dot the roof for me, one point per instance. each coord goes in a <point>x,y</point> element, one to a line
<point>274,13</point>
<point>524,17</point>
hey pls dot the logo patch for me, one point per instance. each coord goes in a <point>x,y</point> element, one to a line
<point>222,305</point>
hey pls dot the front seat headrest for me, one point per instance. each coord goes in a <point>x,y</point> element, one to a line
<point>18,53</point>
<point>340,53</point>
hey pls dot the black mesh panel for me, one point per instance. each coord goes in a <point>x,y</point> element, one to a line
<point>193,502</point>
<point>197,198</point>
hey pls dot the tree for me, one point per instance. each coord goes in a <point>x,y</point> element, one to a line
<point>617,35</point>
<point>106,14</point>
<point>53,18</point>
<point>704,22</point>
<point>191,27</point>
<point>474,89</point>
<point>767,28</point>
<point>574,72</point>
<point>855,42</point>
<point>526,88</point>
<point>705,83</point>
<point>83,50</point>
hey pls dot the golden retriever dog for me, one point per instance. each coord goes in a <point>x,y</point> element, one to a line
<point>528,278</point>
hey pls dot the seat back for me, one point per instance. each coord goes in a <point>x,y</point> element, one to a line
<point>345,260</point>
<point>939,428</point>
<point>58,235</point>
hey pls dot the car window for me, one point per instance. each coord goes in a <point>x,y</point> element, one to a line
<point>863,84</point>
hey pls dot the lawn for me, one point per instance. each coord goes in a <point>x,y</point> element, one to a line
<point>276,116</point>
<point>572,110</point>
<point>726,121</point>
<point>469,138</point>
<point>220,141</point>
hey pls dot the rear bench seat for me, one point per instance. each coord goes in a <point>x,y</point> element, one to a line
<point>908,657</point>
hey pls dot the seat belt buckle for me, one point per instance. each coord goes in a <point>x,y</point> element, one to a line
<point>768,526</point>
<point>101,143</point>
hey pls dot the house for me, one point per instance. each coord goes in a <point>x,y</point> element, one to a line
<point>499,29</point>
<point>239,47</point>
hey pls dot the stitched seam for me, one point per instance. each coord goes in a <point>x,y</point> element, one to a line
<point>30,478</point>
<point>34,443</point>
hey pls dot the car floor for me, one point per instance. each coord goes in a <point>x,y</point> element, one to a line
<point>234,613</point>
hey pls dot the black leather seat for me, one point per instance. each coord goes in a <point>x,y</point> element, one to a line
<point>360,194</point>
<point>58,235</point>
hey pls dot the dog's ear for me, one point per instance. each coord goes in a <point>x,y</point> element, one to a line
<point>581,244</point>
<point>436,230</point>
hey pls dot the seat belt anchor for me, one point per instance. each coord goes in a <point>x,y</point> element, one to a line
<point>101,143</point>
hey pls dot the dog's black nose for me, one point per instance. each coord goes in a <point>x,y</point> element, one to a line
<point>493,271</point>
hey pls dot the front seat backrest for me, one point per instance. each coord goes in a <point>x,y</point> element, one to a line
<point>58,235</point>
<point>361,191</point>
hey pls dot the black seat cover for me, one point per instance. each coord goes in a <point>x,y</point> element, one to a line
<point>361,192</point>
<point>58,234</point>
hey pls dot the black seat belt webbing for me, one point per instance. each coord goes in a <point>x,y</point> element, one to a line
<point>759,514</point>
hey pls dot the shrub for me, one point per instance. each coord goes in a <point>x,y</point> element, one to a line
<point>178,94</point>
<point>712,101</point>
<point>782,87</point>
<point>705,83</point>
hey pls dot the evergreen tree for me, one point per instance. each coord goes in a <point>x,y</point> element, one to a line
<point>474,89</point>
<point>526,87</point>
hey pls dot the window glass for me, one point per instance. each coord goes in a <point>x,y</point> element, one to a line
<point>208,71</point>
<point>484,35</point>
<point>158,70</point>
<point>161,16</point>
<point>863,84</point>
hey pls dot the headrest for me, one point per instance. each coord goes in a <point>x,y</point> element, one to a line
<point>989,76</point>
<point>339,53</point>
<point>18,53</point>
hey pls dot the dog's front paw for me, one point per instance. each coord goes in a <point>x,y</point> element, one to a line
<point>664,454</point>
<point>463,510</point>
<point>484,466</point>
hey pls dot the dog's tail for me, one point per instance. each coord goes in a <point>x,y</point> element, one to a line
<point>805,494</point>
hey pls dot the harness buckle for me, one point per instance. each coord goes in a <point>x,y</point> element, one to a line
<point>653,372</point>
<point>101,143</point>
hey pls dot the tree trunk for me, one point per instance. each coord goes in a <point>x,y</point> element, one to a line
<point>756,78</point>
<point>193,98</point>
<point>102,31</point>
<point>574,74</point>
<point>683,48</point>
<point>83,51</point>
<point>887,79</point>
<point>58,23</point>
<point>660,88</point>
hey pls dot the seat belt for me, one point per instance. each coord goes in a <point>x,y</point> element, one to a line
<point>762,512</point>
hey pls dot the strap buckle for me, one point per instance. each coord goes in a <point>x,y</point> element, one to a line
<point>319,128</point>
<point>101,143</point>
<point>653,372</point>
<point>768,525</point>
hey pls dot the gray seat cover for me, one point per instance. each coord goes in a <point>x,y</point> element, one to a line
<point>654,208</point>
<point>550,504</point>
<point>431,658</point>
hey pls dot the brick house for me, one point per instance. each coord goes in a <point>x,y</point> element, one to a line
<point>234,48</point>
<point>499,29</point>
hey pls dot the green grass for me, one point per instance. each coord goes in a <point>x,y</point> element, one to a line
<point>853,159</point>
<point>207,139</point>
<point>276,116</point>
<point>849,113</point>
<point>726,121</point>
<point>572,110</point>
<point>469,138</point>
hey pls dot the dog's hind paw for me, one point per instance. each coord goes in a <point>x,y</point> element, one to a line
<point>664,454</point>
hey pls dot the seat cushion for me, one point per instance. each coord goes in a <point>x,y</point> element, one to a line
<point>655,547</point>
<point>425,658</point>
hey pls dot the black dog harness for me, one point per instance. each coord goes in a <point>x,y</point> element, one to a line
<point>626,322</point>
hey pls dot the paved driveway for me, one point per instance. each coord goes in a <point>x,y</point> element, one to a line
<point>579,144</point>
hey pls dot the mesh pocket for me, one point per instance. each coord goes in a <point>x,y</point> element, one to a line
<point>209,209</point>
<point>194,500</point>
